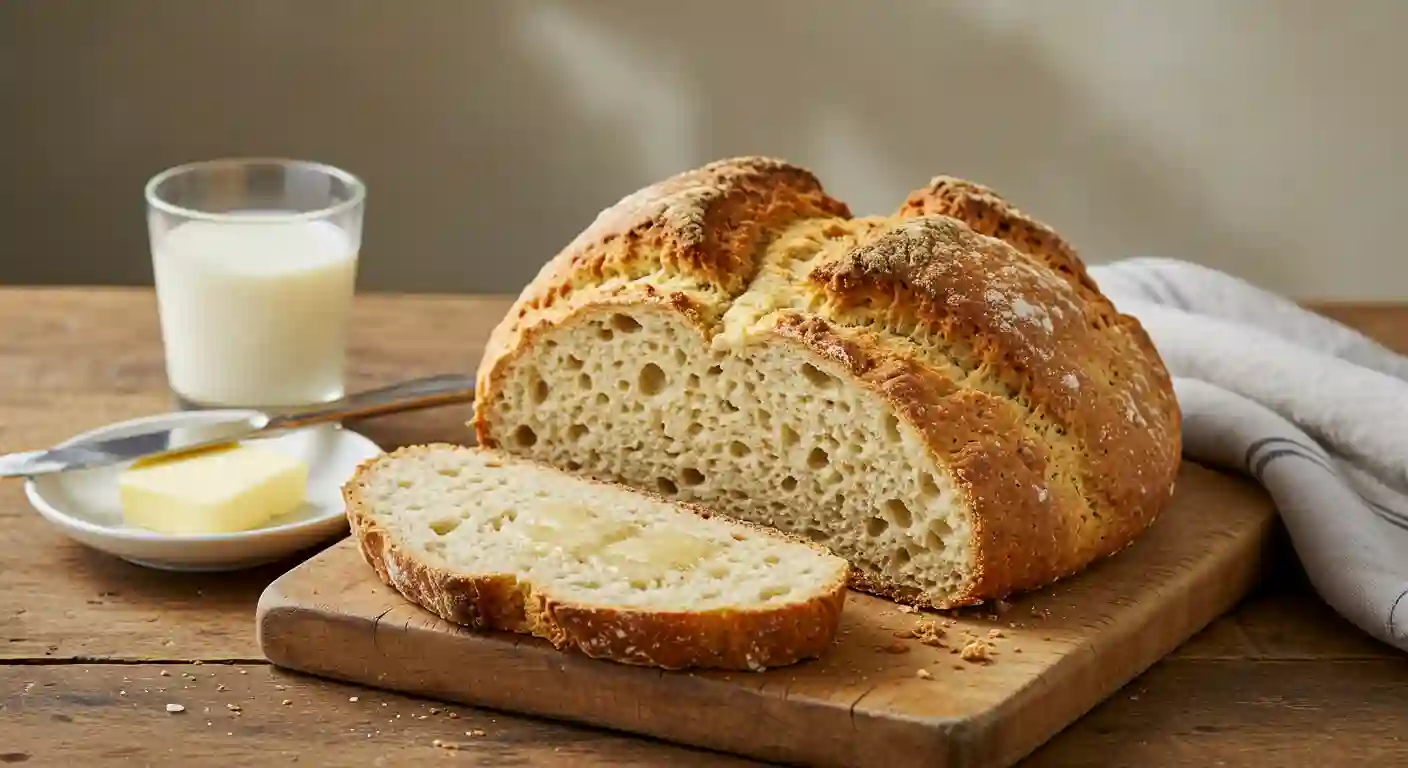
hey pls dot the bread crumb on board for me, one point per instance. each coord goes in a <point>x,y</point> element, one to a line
<point>977,651</point>
<point>929,633</point>
<point>449,745</point>
<point>923,674</point>
<point>175,708</point>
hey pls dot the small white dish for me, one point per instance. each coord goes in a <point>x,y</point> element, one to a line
<point>84,503</point>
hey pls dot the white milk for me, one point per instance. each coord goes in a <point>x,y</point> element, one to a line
<point>255,313</point>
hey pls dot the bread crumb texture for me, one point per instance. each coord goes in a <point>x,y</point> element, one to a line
<point>942,396</point>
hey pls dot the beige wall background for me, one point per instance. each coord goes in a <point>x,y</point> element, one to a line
<point>1263,137</point>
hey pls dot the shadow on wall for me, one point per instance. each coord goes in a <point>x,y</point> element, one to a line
<point>876,98</point>
<point>491,132</point>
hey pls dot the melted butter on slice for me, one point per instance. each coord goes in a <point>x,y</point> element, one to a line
<point>571,528</point>
<point>652,555</point>
<point>638,556</point>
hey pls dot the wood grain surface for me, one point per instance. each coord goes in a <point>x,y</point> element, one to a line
<point>1282,681</point>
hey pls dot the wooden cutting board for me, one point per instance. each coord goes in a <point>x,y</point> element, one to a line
<point>1059,653</point>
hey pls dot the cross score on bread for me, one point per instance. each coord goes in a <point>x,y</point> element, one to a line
<point>941,396</point>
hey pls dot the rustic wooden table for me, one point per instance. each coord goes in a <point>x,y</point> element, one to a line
<point>92,649</point>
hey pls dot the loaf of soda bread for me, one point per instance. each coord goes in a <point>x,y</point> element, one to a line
<point>942,396</point>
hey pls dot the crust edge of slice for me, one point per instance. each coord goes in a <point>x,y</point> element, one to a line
<point>723,638</point>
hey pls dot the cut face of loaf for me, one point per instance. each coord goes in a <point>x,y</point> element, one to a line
<point>492,541</point>
<point>942,397</point>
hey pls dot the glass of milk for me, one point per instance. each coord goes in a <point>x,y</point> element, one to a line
<point>255,263</point>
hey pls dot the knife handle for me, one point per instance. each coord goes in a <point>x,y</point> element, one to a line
<point>415,394</point>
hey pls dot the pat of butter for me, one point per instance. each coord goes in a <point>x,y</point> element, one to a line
<point>220,490</point>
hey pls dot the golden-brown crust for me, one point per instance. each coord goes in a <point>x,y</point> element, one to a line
<point>723,639</point>
<point>995,463</point>
<point>1099,393</point>
<point>987,213</point>
<point>705,227</point>
<point>983,329</point>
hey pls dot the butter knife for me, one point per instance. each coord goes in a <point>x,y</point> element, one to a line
<point>410,395</point>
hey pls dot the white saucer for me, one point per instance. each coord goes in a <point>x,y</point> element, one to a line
<point>84,503</point>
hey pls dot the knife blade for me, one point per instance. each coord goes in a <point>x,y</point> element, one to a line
<point>405,396</point>
<point>116,450</point>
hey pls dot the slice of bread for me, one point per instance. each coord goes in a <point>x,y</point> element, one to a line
<point>942,396</point>
<point>490,541</point>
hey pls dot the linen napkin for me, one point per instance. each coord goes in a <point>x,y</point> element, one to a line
<point>1314,411</point>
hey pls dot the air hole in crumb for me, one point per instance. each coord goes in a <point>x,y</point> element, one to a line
<point>640,584</point>
<point>729,407</point>
<point>771,560</point>
<point>789,483</point>
<point>442,527</point>
<point>449,471</point>
<point>625,323</point>
<point>680,357</point>
<point>666,486</point>
<point>901,557</point>
<point>695,428</point>
<point>738,449</point>
<point>932,542</point>
<point>940,528</point>
<point>540,390</point>
<point>524,436</point>
<point>817,376</point>
<point>818,458</point>
<point>652,379</point>
<point>589,584</point>
<point>892,427</point>
<point>604,333</point>
<point>717,572</point>
<point>693,381</point>
<point>575,363</point>
<point>691,476</point>
<point>875,526</point>
<point>768,593</point>
<point>789,436</point>
<point>584,380</point>
<point>928,485</point>
<point>898,513</point>
<point>573,466</point>
<point>739,537</point>
<point>715,370</point>
<point>577,431</point>
<point>815,534</point>
<point>403,483</point>
<point>602,398</point>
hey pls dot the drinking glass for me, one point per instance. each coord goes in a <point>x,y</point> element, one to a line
<point>255,262</point>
